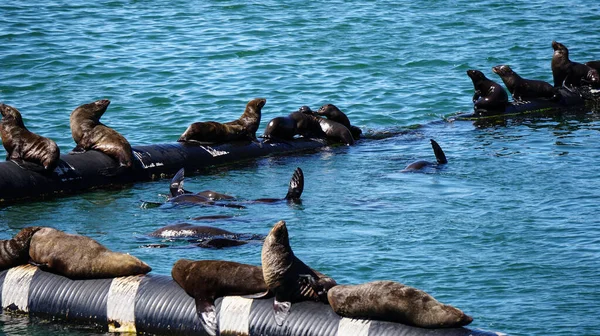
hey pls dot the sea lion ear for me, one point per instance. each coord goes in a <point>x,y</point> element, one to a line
<point>281,311</point>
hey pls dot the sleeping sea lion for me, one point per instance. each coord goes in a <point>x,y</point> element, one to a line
<point>525,89</point>
<point>439,155</point>
<point>23,146</point>
<point>15,251</point>
<point>80,257</point>
<point>489,95</point>
<point>332,112</point>
<point>394,302</point>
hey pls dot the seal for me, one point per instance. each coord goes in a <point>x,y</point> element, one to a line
<point>80,257</point>
<point>280,128</point>
<point>178,195</point>
<point>332,112</point>
<point>309,124</point>
<point>89,133</point>
<point>489,95</point>
<point>219,243</point>
<point>394,302</point>
<point>568,73</point>
<point>206,280</point>
<point>525,89</point>
<point>189,230</point>
<point>593,65</point>
<point>295,189</point>
<point>24,146</point>
<point>286,276</point>
<point>211,132</point>
<point>15,251</point>
<point>421,164</point>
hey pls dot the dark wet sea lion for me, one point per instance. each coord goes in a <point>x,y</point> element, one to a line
<point>219,243</point>
<point>439,155</point>
<point>332,112</point>
<point>290,279</point>
<point>280,128</point>
<point>394,302</point>
<point>206,280</point>
<point>309,124</point>
<point>15,251</point>
<point>80,257</point>
<point>489,95</point>
<point>568,73</point>
<point>178,195</point>
<point>593,65</point>
<point>295,189</point>
<point>244,128</point>
<point>189,230</point>
<point>24,146</point>
<point>524,89</point>
<point>89,133</point>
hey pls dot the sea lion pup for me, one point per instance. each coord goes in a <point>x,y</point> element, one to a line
<point>295,190</point>
<point>288,277</point>
<point>568,73</point>
<point>439,155</point>
<point>80,257</point>
<point>489,95</point>
<point>206,280</point>
<point>211,132</point>
<point>24,146</point>
<point>178,195</point>
<point>332,112</point>
<point>525,89</point>
<point>309,124</point>
<point>89,133</point>
<point>394,302</point>
<point>15,251</point>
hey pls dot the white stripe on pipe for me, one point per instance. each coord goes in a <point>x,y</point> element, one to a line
<point>352,327</point>
<point>15,289</point>
<point>234,315</point>
<point>120,305</point>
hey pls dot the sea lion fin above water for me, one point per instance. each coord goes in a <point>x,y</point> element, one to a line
<point>439,153</point>
<point>296,185</point>
<point>207,314</point>
<point>176,187</point>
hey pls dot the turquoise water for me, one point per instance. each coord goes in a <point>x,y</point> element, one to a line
<point>507,231</point>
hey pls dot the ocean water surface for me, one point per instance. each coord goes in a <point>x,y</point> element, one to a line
<point>507,231</point>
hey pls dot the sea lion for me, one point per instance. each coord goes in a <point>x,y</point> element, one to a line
<point>394,302</point>
<point>332,112</point>
<point>288,277</point>
<point>24,146</point>
<point>178,195</point>
<point>206,280</point>
<point>80,257</point>
<point>489,95</point>
<point>593,65</point>
<point>189,230</point>
<point>219,243</point>
<point>244,128</point>
<point>525,89</point>
<point>89,133</point>
<point>568,73</point>
<point>295,189</point>
<point>439,155</point>
<point>280,128</point>
<point>15,251</point>
<point>309,124</point>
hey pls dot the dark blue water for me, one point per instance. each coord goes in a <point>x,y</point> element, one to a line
<point>507,231</point>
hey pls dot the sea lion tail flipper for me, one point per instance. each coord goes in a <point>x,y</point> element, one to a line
<point>208,316</point>
<point>176,187</point>
<point>296,185</point>
<point>439,153</point>
<point>281,310</point>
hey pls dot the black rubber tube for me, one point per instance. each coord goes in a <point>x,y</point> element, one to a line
<point>93,169</point>
<point>156,304</point>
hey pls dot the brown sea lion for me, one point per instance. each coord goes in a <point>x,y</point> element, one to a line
<point>394,302</point>
<point>15,251</point>
<point>332,112</point>
<point>525,89</point>
<point>489,95</point>
<point>288,277</point>
<point>309,124</point>
<point>24,146</point>
<point>89,133</point>
<point>80,257</point>
<point>206,280</point>
<point>244,128</point>
<point>439,155</point>
<point>568,73</point>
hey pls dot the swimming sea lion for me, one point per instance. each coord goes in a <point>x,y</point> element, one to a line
<point>309,124</point>
<point>288,277</point>
<point>178,195</point>
<point>568,73</point>
<point>439,155</point>
<point>189,230</point>
<point>295,190</point>
<point>489,95</point>
<point>24,146</point>
<point>332,112</point>
<point>525,89</point>
<point>280,128</point>
<point>206,280</point>
<point>394,302</point>
<point>219,242</point>
<point>80,257</point>
<point>15,251</point>
<point>244,128</point>
<point>89,133</point>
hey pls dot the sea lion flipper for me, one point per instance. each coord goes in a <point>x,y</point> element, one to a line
<point>207,314</point>
<point>296,185</point>
<point>176,187</point>
<point>77,150</point>
<point>281,310</point>
<point>439,153</point>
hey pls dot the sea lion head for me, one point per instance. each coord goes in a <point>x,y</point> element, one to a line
<point>306,110</point>
<point>279,234</point>
<point>93,110</point>
<point>11,115</point>
<point>502,70</point>
<point>327,110</point>
<point>560,49</point>
<point>475,75</point>
<point>251,117</point>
